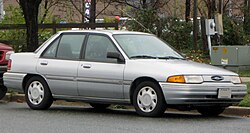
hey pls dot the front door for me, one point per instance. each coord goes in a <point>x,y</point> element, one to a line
<point>59,63</point>
<point>98,76</point>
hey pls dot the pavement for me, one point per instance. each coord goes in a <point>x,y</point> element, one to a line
<point>18,118</point>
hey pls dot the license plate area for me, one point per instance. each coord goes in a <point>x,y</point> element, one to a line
<point>224,93</point>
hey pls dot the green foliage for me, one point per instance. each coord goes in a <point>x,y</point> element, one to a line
<point>146,20</point>
<point>244,73</point>
<point>171,30</point>
<point>109,20</point>
<point>17,37</point>
<point>14,37</point>
<point>233,32</point>
<point>14,16</point>
<point>177,33</point>
<point>246,101</point>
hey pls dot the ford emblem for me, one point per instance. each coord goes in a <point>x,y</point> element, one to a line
<point>217,78</point>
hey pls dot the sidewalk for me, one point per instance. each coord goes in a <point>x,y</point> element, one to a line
<point>245,79</point>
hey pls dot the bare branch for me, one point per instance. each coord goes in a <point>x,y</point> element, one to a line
<point>104,8</point>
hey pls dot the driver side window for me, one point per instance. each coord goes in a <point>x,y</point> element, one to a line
<point>97,48</point>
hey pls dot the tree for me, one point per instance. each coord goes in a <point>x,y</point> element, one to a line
<point>247,16</point>
<point>92,11</point>
<point>187,12</point>
<point>30,12</point>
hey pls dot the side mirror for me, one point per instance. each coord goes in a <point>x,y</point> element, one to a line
<point>115,55</point>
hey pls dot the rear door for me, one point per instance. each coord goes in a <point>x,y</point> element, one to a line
<point>99,76</point>
<point>59,63</point>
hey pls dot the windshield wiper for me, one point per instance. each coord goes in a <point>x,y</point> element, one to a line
<point>143,57</point>
<point>171,57</point>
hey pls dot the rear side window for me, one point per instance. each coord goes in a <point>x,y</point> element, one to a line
<point>51,51</point>
<point>67,47</point>
<point>70,46</point>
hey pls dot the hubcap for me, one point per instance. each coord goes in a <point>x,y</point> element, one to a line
<point>147,99</point>
<point>35,92</point>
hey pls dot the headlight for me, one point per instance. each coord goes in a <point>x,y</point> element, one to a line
<point>236,80</point>
<point>194,79</point>
<point>185,79</point>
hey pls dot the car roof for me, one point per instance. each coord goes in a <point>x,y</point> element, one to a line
<point>111,32</point>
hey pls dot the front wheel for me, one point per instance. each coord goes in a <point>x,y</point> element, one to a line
<point>3,91</point>
<point>37,94</point>
<point>211,111</point>
<point>148,99</point>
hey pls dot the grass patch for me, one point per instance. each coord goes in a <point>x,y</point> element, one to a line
<point>244,73</point>
<point>246,101</point>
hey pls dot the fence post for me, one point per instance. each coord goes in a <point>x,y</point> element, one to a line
<point>54,24</point>
<point>116,26</point>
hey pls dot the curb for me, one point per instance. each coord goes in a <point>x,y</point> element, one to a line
<point>239,111</point>
<point>14,98</point>
<point>245,79</point>
<point>232,110</point>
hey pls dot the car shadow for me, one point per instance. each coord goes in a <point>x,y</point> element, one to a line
<point>112,112</point>
<point>132,113</point>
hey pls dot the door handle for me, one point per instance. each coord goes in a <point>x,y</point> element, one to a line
<point>44,63</point>
<point>86,66</point>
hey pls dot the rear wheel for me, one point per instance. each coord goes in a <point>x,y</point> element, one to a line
<point>99,106</point>
<point>37,94</point>
<point>3,91</point>
<point>211,111</point>
<point>148,99</point>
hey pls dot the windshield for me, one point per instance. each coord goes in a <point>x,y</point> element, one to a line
<point>146,46</point>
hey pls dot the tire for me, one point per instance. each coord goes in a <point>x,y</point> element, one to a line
<point>211,111</point>
<point>37,94</point>
<point>3,91</point>
<point>148,99</point>
<point>99,106</point>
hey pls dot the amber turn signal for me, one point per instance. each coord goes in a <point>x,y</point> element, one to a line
<point>176,79</point>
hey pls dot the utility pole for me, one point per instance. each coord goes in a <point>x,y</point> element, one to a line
<point>195,26</point>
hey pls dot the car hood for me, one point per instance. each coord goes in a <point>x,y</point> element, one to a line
<point>177,67</point>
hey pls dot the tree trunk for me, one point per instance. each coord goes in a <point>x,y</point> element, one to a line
<point>195,25</point>
<point>247,16</point>
<point>30,12</point>
<point>92,11</point>
<point>144,4</point>
<point>187,12</point>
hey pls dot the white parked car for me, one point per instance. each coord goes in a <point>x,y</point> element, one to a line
<point>106,67</point>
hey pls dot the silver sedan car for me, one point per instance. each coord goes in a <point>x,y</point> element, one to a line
<point>120,67</point>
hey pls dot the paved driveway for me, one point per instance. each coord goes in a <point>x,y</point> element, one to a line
<point>18,118</point>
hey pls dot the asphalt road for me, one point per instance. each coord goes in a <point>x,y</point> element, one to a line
<point>18,118</point>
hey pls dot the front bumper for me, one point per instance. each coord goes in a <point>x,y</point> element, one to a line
<point>201,94</point>
<point>14,81</point>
